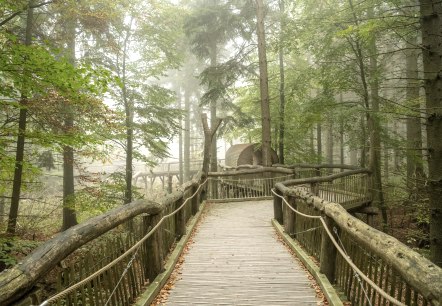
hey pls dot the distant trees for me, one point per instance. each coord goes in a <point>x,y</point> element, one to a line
<point>343,85</point>
<point>59,83</point>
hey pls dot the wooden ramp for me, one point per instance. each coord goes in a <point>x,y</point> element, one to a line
<point>237,260</point>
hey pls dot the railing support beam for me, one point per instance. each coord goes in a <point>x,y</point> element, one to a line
<point>195,201</point>
<point>154,247</point>
<point>277,208</point>
<point>290,216</point>
<point>180,220</point>
<point>328,252</point>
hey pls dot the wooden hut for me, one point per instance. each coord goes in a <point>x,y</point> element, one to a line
<point>246,154</point>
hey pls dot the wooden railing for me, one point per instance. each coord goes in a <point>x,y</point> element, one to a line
<point>369,266</point>
<point>112,268</point>
<point>351,188</point>
<point>245,182</point>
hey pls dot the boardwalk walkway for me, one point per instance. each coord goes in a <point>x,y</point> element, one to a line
<point>236,260</point>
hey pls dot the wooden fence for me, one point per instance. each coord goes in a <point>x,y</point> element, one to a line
<point>351,188</point>
<point>369,266</point>
<point>114,268</point>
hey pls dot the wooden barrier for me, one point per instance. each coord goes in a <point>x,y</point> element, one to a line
<point>92,245</point>
<point>403,274</point>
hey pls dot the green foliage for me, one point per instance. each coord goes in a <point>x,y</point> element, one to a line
<point>11,249</point>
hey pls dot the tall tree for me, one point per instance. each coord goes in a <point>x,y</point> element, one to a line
<point>266,141</point>
<point>69,214</point>
<point>20,149</point>
<point>281,127</point>
<point>431,24</point>
<point>415,170</point>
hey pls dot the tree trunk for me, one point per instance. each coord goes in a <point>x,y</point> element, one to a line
<point>180,142</point>
<point>209,135</point>
<point>281,86</point>
<point>330,142</point>
<point>213,106</point>
<point>372,113</point>
<point>187,134</point>
<point>363,150</point>
<point>415,170</point>
<point>386,163</point>
<point>20,150</point>
<point>128,110</point>
<point>341,143</point>
<point>431,13</point>
<point>264,87</point>
<point>319,142</point>
<point>375,131</point>
<point>69,214</point>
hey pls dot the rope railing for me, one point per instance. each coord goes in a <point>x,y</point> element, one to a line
<point>120,258</point>
<point>343,252</point>
<point>371,267</point>
<point>236,187</point>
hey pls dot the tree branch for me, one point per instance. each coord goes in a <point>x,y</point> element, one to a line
<point>13,15</point>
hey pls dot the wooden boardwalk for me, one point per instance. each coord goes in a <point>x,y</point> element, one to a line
<point>237,260</point>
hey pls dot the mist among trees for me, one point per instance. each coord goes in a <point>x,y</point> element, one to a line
<point>93,92</point>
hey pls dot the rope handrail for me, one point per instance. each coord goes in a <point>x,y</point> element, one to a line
<point>122,256</point>
<point>324,179</point>
<point>342,252</point>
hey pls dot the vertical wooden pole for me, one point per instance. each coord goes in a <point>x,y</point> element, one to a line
<point>328,252</point>
<point>314,188</point>
<point>180,220</point>
<point>290,216</point>
<point>277,208</point>
<point>169,183</point>
<point>195,200</point>
<point>154,247</point>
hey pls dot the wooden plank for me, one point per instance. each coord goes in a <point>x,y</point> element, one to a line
<point>236,260</point>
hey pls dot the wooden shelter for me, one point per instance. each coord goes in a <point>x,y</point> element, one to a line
<point>246,154</point>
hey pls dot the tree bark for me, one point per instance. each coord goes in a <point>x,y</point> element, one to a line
<point>20,149</point>
<point>187,134</point>
<point>264,87</point>
<point>319,142</point>
<point>209,135</point>
<point>213,119</point>
<point>69,214</point>
<point>415,170</point>
<point>431,24</point>
<point>281,85</point>
<point>180,143</point>
<point>330,142</point>
<point>375,129</point>
<point>128,111</point>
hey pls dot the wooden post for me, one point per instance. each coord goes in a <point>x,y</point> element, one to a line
<point>328,252</point>
<point>318,171</point>
<point>180,220</point>
<point>277,208</point>
<point>314,187</point>
<point>290,216</point>
<point>195,201</point>
<point>169,183</point>
<point>154,247</point>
